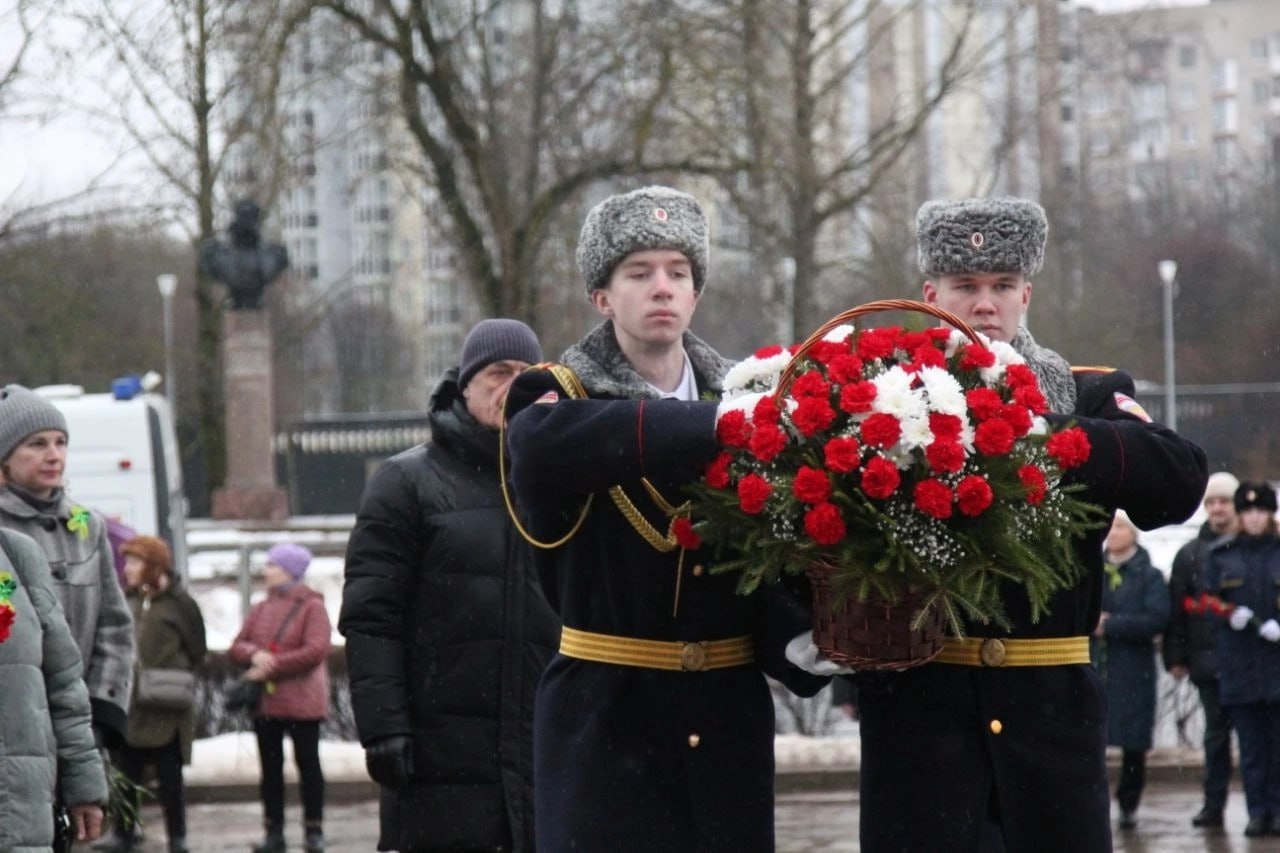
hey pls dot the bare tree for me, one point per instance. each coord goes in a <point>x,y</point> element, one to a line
<point>189,80</point>
<point>516,108</point>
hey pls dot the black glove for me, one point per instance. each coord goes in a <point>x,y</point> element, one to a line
<point>390,761</point>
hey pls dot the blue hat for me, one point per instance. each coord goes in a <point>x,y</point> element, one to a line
<point>294,559</point>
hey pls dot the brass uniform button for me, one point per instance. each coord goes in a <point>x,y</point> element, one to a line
<point>996,727</point>
<point>698,570</point>
<point>992,652</point>
<point>694,740</point>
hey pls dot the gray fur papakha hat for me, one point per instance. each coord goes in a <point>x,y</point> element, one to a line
<point>649,218</point>
<point>981,235</point>
<point>23,412</point>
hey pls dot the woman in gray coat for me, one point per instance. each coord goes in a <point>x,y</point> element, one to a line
<point>1135,609</point>
<point>34,501</point>
<point>44,709</point>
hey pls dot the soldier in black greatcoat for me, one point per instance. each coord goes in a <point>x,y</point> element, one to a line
<point>988,747</point>
<point>654,724</point>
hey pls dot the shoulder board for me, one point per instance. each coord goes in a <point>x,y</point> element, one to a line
<point>1091,369</point>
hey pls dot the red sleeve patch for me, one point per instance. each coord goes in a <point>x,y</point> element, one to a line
<point>1130,405</point>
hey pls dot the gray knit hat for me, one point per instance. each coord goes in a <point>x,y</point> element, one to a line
<point>497,340</point>
<point>649,218</point>
<point>981,235</point>
<point>23,412</point>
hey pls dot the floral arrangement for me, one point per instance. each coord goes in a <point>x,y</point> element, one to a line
<point>913,465</point>
<point>1205,604</point>
<point>7,612</point>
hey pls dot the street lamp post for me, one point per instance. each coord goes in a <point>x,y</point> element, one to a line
<point>167,284</point>
<point>1169,272</point>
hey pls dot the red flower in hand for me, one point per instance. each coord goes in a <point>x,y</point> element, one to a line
<point>686,537</point>
<point>824,524</point>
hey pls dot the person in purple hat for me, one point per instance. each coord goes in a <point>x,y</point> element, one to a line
<point>285,644</point>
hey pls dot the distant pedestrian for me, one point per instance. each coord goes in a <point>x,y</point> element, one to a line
<point>170,635</point>
<point>1191,642</point>
<point>1244,570</point>
<point>446,626</point>
<point>1135,609</point>
<point>285,643</point>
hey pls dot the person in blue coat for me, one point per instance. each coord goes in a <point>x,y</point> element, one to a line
<point>653,725</point>
<point>1244,571</point>
<point>1135,608</point>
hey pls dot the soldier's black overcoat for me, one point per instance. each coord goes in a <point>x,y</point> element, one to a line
<point>626,758</point>
<point>954,755</point>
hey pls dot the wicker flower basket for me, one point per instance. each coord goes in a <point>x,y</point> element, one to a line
<point>872,635</point>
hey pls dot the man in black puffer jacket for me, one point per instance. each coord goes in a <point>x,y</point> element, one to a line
<point>447,629</point>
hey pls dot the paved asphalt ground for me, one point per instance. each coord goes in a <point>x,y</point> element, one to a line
<point>819,820</point>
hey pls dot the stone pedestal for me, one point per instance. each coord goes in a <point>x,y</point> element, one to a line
<point>251,491</point>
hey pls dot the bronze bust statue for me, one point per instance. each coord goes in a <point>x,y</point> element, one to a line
<point>244,265</point>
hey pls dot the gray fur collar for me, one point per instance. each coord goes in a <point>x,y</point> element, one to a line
<point>1051,369</point>
<point>604,370</point>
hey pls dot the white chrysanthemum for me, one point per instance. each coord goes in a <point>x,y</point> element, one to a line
<point>915,433</point>
<point>895,396</point>
<point>755,374</point>
<point>1005,355</point>
<point>955,340</point>
<point>944,392</point>
<point>839,334</point>
<point>746,401</point>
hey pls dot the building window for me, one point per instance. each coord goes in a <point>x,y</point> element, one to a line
<point>1224,75</point>
<point>1225,115</point>
<point>1187,135</point>
<point>1187,56</point>
<point>1258,48</point>
<point>1187,96</point>
<point>1261,91</point>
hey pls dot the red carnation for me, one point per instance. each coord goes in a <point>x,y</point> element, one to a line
<point>843,454</point>
<point>717,473</point>
<point>813,414</point>
<point>824,352</point>
<point>912,341</point>
<point>945,426</point>
<point>7,617</point>
<point>881,430</point>
<point>810,384</point>
<point>1020,376</point>
<point>686,537</point>
<point>945,456</point>
<point>824,524</point>
<point>1190,605</point>
<point>1030,396</point>
<point>1033,478</point>
<point>766,411</point>
<point>877,343</point>
<point>857,397</point>
<point>933,498</point>
<point>769,351</point>
<point>993,438</point>
<point>753,491</point>
<point>974,495</point>
<point>975,357</point>
<point>845,368</point>
<point>983,402</point>
<point>926,355</point>
<point>812,485</point>
<point>733,430</point>
<point>1069,448</point>
<point>880,478</point>
<point>767,442</point>
<point>1017,417</point>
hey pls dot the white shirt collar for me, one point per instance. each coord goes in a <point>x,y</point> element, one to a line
<point>687,390</point>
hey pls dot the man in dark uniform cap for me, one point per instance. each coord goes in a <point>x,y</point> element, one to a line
<point>989,747</point>
<point>654,724</point>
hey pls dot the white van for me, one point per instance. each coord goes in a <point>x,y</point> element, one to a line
<point>123,461</point>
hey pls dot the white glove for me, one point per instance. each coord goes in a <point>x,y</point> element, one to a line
<point>1270,631</point>
<point>1240,617</point>
<point>805,654</point>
